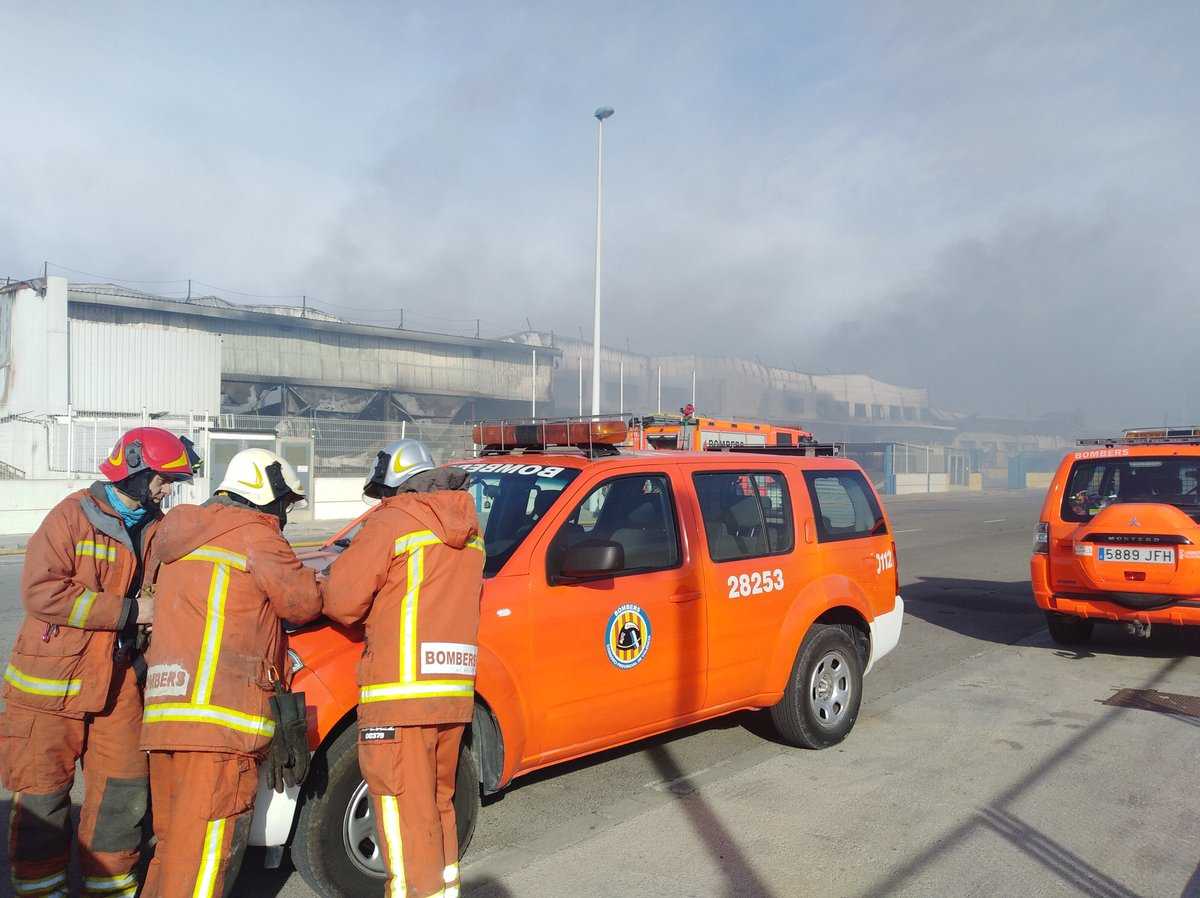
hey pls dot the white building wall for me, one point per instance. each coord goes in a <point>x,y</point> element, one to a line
<point>127,367</point>
<point>34,381</point>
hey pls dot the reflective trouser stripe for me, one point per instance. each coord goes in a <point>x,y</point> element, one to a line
<point>210,861</point>
<point>386,692</point>
<point>52,885</point>
<point>450,878</point>
<point>389,811</point>
<point>183,712</point>
<point>110,886</point>
<point>41,685</point>
<point>82,608</point>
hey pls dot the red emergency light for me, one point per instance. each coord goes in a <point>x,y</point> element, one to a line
<point>541,434</point>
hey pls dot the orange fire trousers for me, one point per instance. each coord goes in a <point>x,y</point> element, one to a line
<point>202,802</point>
<point>410,773</point>
<point>38,755</point>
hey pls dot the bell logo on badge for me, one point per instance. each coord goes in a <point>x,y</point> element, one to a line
<point>627,637</point>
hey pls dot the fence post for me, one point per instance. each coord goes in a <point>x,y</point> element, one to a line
<point>70,442</point>
<point>928,477</point>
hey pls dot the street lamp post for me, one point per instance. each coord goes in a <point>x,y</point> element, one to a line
<point>601,114</point>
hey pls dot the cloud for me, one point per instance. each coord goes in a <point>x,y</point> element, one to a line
<point>777,179</point>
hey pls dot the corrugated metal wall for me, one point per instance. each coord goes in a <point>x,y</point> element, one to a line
<point>123,368</point>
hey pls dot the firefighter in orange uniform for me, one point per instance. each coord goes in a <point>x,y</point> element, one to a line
<point>414,572</point>
<point>71,683</point>
<point>228,580</point>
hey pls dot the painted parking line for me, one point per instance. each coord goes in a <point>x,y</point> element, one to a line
<point>914,530</point>
<point>996,521</point>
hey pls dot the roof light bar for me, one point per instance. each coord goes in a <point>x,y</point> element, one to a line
<point>1148,436</point>
<point>540,434</point>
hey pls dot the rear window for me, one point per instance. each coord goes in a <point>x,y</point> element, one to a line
<point>845,506</point>
<point>1095,484</point>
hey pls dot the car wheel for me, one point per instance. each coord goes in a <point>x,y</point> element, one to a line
<point>820,704</point>
<point>335,847</point>
<point>1066,629</point>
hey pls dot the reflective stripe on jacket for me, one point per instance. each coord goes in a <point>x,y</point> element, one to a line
<point>414,573</point>
<point>227,581</point>
<point>80,568</point>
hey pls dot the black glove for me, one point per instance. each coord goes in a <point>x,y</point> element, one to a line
<point>287,762</point>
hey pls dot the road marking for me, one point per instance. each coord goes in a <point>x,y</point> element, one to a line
<point>997,521</point>
<point>915,530</point>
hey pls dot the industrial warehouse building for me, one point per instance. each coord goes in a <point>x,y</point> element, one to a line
<point>79,363</point>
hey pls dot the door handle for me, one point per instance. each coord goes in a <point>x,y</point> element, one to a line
<point>681,597</point>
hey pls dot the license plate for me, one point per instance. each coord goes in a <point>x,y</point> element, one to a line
<point>1135,555</point>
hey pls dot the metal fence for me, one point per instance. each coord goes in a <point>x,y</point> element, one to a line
<point>77,443</point>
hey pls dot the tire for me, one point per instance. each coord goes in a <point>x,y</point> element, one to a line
<point>320,846</point>
<point>821,701</point>
<point>1066,629</point>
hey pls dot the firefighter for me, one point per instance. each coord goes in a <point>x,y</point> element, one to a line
<point>217,663</point>
<point>71,684</point>
<point>414,573</point>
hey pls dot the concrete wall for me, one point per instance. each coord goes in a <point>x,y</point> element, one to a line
<point>24,503</point>
<point>907,484</point>
<point>337,497</point>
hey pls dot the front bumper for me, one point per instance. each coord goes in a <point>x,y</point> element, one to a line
<point>274,813</point>
<point>885,632</point>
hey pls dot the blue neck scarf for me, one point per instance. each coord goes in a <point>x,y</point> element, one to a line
<point>132,517</point>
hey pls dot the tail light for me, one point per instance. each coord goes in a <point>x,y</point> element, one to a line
<point>896,566</point>
<point>1041,539</point>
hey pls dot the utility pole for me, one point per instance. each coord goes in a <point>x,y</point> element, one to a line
<point>189,296</point>
<point>601,114</point>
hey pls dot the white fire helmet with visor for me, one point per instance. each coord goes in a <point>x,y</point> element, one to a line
<point>396,463</point>
<point>265,480</point>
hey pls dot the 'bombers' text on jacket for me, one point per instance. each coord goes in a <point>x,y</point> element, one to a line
<point>415,572</point>
<point>227,580</point>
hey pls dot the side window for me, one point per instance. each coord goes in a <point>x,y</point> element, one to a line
<point>746,514</point>
<point>637,513</point>
<point>845,506</point>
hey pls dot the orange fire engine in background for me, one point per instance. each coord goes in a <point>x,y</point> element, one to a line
<point>691,432</point>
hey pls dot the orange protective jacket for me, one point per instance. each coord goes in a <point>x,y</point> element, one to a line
<point>81,572</point>
<point>415,572</point>
<point>226,582</point>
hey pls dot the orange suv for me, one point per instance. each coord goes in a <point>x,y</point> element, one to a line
<point>626,594</point>
<point>1118,537</point>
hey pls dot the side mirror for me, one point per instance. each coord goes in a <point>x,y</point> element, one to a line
<point>592,560</point>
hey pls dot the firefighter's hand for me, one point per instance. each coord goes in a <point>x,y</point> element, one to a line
<point>145,608</point>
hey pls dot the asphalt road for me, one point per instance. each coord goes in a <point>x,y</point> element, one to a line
<point>964,569</point>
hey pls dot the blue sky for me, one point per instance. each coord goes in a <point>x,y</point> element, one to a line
<point>772,171</point>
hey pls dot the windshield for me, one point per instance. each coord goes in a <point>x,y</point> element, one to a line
<point>1094,485</point>
<point>510,499</point>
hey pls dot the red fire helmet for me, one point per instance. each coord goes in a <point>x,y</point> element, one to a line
<point>151,448</point>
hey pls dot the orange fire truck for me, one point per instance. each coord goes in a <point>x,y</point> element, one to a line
<point>693,432</point>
